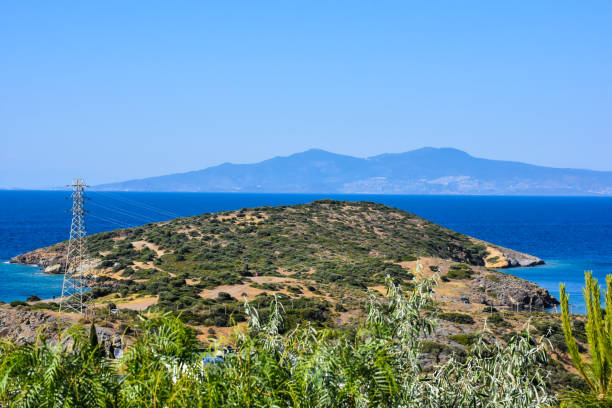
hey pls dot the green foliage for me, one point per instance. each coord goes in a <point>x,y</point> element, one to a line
<point>553,332</point>
<point>377,365</point>
<point>437,351</point>
<point>358,242</point>
<point>460,318</point>
<point>65,374</point>
<point>45,306</point>
<point>459,271</point>
<point>497,320</point>
<point>493,278</point>
<point>598,371</point>
<point>93,336</point>
<point>466,339</point>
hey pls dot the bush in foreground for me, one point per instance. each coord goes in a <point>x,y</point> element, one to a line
<point>375,366</point>
<point>597,371</point>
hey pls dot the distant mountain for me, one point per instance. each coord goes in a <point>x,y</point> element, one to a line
<point>423,171</point>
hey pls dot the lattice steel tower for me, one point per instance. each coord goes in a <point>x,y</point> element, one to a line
<point>78,272</point>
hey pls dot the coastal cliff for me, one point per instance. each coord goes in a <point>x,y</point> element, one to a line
<point>50,259</point>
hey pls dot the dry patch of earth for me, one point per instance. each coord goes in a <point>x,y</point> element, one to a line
<point>138,304</point>
<point>139,245</point>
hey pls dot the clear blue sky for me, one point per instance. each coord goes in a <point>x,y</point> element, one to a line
<point>113,90</point>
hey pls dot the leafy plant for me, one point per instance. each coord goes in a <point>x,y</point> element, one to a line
<point>68,373</point>
<point>376,365</point>
<point>455,317</point>
<point>598,371</point>
<point>459,271</point>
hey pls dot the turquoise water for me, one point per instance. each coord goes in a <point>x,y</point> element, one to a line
<point>571,234</point>
<point>21,281</point>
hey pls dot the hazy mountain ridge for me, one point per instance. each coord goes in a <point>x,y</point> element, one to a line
<point>423,171</point>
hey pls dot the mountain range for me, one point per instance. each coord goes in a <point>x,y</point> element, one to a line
<point>422,171</point>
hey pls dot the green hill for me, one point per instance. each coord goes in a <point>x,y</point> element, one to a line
<point>320,258</point>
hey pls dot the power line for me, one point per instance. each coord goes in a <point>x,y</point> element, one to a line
<point>123,212</point>
<point>79,275</point>
<point>140,204</point>
<point>109,220</point>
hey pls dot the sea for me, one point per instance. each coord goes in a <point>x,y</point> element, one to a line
<point>571,234</point>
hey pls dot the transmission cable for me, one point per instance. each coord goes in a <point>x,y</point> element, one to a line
<point>124,212</point>
<point>140,204</point>
<point>112,221</point>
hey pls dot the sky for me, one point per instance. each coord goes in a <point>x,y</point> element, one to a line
<point>116,90</point>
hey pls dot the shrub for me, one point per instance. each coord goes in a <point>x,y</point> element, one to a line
<point>100,291</point>
<point>466,339</point>
<point>339,307</point>
<point>496,319</point>
<point>493,278</point>
<point>438,350</point>
<point>459,271</point>
<point>45,306</point>
<point>407,258</point>
<point>460,318</point>
<point>294,289</point>
<point>224,296</point>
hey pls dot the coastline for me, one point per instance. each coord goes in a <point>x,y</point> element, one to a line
<point>529,224</point>
<point>466,260</point>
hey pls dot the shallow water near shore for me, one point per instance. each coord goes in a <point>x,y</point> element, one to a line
<point>21,281</point>
<point>572,234</point>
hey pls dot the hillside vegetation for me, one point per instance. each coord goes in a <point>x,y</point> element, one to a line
<point>377,365</point>
<point>320,258</point>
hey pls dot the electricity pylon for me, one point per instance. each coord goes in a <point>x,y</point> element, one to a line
<point>78,273</point>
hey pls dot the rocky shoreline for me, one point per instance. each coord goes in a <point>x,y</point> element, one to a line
<point>50,259</point>
<point>502,258</point>
<point>512,292</point>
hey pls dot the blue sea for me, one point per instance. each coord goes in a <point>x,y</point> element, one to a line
<point>572,234</point>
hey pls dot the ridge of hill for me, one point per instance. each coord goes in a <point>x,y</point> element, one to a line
<point>422,171</point>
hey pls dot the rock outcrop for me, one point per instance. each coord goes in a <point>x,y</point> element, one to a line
<point>23,327</point>
<point>511,292</point>
<point>50,259</point>
<point>500,257</point>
